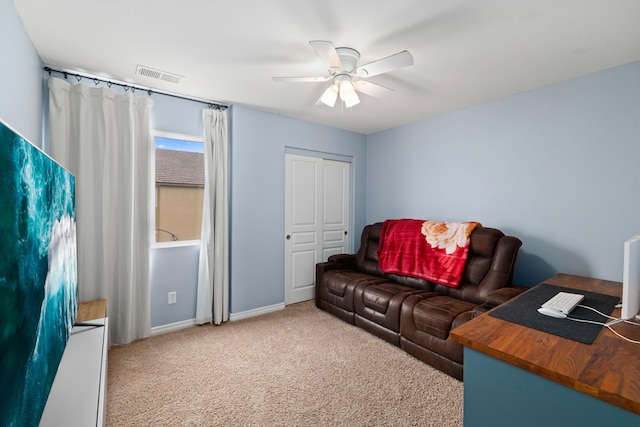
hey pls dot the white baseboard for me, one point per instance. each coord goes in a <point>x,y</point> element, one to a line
<point>170,327</point>
<point>256,312</point>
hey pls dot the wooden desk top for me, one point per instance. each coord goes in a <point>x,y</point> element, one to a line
<point>608,369</point>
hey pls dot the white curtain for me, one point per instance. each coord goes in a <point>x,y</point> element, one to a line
<point>213,273</point>
<point>104,139</point>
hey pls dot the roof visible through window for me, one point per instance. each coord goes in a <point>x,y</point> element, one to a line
<point>179,187</point>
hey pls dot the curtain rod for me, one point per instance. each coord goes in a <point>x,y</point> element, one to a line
<point>127,86</point>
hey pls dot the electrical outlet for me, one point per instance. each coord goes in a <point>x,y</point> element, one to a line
<point>172,297</point>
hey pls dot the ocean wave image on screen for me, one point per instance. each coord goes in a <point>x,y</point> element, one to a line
<point>38,275</point>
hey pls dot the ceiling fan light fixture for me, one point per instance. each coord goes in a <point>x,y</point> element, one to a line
<point>330,95</point>
<point>348,94</point>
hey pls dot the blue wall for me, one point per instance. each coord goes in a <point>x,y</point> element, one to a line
<point>20,77</point>
<point>258,144</point>
<point>175,269</point>
<point>171,114</point>
<point>558,167</point>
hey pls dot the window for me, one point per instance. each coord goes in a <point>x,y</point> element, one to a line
<point>179,186</point>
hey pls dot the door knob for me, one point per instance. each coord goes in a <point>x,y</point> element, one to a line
<point>288,236</point>
<point>345,233</point>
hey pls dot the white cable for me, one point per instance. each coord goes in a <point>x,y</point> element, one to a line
<point>604,324</point>
<point>609,317</point>
<point>622,336</point>
<point>593,309</point>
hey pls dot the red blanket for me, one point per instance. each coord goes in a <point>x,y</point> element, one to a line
<point>431,250</point>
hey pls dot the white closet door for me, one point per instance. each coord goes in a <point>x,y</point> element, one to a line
<point>316,219</point>
<point>335,208</point>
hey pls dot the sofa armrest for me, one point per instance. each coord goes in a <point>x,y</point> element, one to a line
<point>343,259</point>
<point>502,295</point>
<point>334,262</point>
<point>497,297</point>
<point>481,309</point>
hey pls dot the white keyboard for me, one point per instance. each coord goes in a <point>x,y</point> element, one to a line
<point>564,302</point>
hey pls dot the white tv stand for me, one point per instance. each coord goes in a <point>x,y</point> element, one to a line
<point>78,394</point>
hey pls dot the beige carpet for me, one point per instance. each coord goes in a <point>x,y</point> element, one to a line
<point>296,367</point>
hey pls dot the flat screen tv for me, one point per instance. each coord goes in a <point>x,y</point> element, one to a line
<point>38,275</point>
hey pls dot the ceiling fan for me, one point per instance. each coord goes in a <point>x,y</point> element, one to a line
<point>347,76</point>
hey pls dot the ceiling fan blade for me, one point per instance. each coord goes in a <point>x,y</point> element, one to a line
<point>384,65</point>
<point>326,51</point>
<point>372,89</point>
<point>300,79</point>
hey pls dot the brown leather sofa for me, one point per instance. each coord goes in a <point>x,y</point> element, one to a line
<point>412,313</point>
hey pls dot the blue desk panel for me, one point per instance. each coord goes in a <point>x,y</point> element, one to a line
<point>498,394</point>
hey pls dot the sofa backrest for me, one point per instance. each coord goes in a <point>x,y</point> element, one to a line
<point>490,263</point>
<point>367,259</point>
<point>367,256</point>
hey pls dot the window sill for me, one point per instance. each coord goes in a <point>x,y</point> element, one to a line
<point>176,244</point>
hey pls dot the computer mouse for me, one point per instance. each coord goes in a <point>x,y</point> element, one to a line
<point>551,312</point>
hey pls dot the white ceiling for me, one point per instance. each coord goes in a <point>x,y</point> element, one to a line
<point>466,52</point>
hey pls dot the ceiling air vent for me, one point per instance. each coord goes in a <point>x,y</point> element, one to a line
<point>158,74</point>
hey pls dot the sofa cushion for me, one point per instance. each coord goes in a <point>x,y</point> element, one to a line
<point>378,306</point>
<point>435,315</point>
<point>338,281</point>
<point>377,297</point>
<point>337,287</point>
